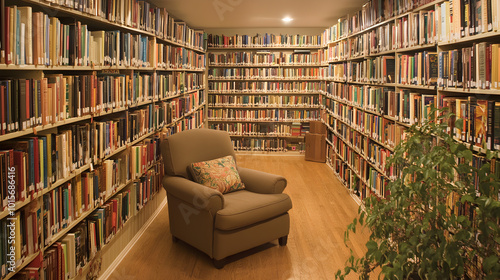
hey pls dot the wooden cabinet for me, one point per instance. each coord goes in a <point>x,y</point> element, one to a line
<point>315,147</point>
<point>316,142</point>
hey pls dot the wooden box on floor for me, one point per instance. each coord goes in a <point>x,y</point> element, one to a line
<point>315,147</point>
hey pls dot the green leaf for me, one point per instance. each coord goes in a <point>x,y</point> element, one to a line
<point>467,198</point>
<point>459,123</point>
<point>467,154</point>
<point>490,262</point>
<point>371,245</point>
<point>488,202</point>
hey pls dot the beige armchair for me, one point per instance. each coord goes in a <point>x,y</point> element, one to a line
<point>221,224</point>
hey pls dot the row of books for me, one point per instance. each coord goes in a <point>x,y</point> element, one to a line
<point>443,22</point>
<point>418,69</point>
<point>369,98</point>
<point>264,100</point>
<point>337,72</point>
<point>172,57</point>
<point>27,103</point>
<point>354,160</point>
<point>480,118</point>
<point>259,129</point>
<point>38,39</point>
<point>296,73</point>
<point>262,145</point>
<point>284,115</point>
<point>179,107</point>
<point>41,161</point>
<point>340,51</point>
<point>193,120</point>
<point>479,115</point>
<point>470,17</point>
<point>470,67</point>
<point>419,28</point>
<point>70,201</point>
<point>380,69</point>
<point>414,108</point>
<point>68,255</point>
<point>172,84</point>
<point>376,127</point>
<point>373,12</point>
<point>376,40</point>
<point>133,13</point>
<point>88,190</point>
<point>265,58</point>
<point>265,86</point>
<point>346,175</point>
<point>363,140</point>
<point>372,157</point>
<point>21,237</point>
<point>401,105</point>
<point>263,40</point>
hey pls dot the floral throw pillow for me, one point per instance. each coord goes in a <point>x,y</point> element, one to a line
<point>219,174</point>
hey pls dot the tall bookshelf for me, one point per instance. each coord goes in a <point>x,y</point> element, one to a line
<point>388,63</point>
<point>264,89</point>
<point>88,89</point>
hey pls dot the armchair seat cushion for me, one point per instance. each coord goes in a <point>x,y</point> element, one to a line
<point>244,208</point>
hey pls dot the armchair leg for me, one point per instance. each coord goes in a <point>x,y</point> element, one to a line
<point>219,264</point>
<point>283,240</point>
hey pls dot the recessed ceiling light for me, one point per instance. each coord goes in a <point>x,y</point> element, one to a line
<point>287,19</point>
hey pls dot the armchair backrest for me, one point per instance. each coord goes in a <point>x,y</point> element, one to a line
<point>183,148</point>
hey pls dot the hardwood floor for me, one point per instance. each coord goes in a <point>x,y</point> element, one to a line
<point>321,211</point>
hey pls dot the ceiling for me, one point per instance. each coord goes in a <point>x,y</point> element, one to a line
<point>224,14</point>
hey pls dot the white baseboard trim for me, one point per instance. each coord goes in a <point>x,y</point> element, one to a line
<point>132,242</point>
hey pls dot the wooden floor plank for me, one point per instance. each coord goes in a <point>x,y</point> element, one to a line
<point>321,211</point>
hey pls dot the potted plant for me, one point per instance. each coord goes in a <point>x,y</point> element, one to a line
<point>441,217</point>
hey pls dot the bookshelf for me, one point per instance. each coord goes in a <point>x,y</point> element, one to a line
<point>264,89</point>
<point>87,91</point>
<point>409,42</point>
<point>387,63</point>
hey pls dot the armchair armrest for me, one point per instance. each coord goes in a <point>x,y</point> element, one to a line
<point>195,194</point>
<point>262,182</point>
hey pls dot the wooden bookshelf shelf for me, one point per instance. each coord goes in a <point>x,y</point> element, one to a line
<point>266,79</point>
<point>416,48</point>
<point>373,84</point>
<point>470,91</point>
<point>258,121</point>
<point>243,65</point>
<point>258,48</point>
<point>176,95</point>
<point>472,38</point>
<point>385,52</point>
<point>282,65</point>
<point>25,262</point>
<point>433,88</point>
<point>41,128</point>
<point>14,67</point>
<point>180,70</point>
<point>263,107</point>
<point>264,92</point>
<point>264,136</point>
